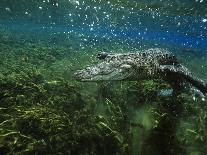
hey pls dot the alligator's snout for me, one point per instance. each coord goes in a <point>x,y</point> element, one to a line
<point>85,74</point>
<point>78,75</point>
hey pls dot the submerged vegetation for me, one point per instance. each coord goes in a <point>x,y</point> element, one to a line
<point>44,111</point>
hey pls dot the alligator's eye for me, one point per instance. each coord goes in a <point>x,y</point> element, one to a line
<point>144,54</point>
<point>102,56</point>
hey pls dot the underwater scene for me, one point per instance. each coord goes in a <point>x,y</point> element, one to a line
<point>103,77</point>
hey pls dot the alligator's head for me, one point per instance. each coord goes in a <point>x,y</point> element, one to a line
<point>113,67</point>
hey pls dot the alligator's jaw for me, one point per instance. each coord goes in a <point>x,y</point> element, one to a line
<point>86,75</point>
<point>105,71</point>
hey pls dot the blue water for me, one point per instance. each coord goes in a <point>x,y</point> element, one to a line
<point>139,26</point>
<point>131,34</point>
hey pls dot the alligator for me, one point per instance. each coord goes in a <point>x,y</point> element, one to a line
<point>154,63</point>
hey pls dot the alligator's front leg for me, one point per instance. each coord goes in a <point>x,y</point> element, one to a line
<point>177,74</point>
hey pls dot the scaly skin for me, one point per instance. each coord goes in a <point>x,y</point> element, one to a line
<point>146,64</point>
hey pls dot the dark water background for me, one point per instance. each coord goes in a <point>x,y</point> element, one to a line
<point>43,42</point>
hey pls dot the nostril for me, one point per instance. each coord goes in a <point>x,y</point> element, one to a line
<point>77,73</point>
<point>77,76</point>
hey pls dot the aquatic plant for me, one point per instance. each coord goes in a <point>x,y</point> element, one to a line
<point>191,130</point>
<point>40,129</point>
<point>45,114</point>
